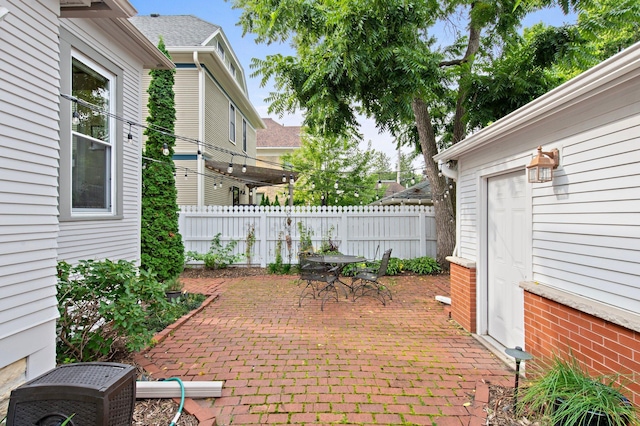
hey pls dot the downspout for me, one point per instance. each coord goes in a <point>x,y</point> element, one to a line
<point>201,125</point>
<point>451,173</point>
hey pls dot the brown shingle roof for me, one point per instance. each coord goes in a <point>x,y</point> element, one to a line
<point>278,136</point>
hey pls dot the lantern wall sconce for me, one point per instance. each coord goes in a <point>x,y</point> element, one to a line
<point>540,169</point>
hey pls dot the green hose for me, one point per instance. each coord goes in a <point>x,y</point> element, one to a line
<point>177,416</point>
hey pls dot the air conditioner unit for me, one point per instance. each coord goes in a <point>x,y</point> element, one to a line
<point>92,393</point>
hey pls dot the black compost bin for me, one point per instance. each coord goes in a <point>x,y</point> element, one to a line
<point>94,393</point>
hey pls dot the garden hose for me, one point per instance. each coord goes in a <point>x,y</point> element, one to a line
<point>177,416</point>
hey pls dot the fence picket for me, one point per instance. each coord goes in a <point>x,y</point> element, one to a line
<point>360,230</point>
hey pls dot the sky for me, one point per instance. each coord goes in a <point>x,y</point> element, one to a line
<point>221,13</point>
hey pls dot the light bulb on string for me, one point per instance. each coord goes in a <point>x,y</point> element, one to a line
<point>215,185</point>
<point>379,184</point>
<point>230,168</point>
<point>335,185</point>
<point>413,181</point>
<point>284,178</point>
<point>291,181</point>
<point>75,118</point>
<point>129,135</point>
<point>356,194</point>
<point>165,149</point>
<point>313,185</point>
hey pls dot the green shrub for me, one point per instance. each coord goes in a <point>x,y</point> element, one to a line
<point>395,266</point>
<point>422,265</point>
<point>218,256</point>
<point>108,307</point>
<point>103,306</point>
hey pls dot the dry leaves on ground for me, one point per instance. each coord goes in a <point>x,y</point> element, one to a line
<point>500,408</point>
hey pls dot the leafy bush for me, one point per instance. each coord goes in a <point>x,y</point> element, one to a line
<point>176,309</point>
<point>395,266</point>
<point>103,307</point>
<point>422,265</point>
<point>218,257</point>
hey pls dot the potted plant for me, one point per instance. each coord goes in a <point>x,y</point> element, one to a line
<point>173,289</point>
<point>568,395</point>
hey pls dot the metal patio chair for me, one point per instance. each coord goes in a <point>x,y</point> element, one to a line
<point>319,278</point>
<point>366,282</point>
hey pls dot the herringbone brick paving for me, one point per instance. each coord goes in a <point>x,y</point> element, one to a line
<point>353,363</point>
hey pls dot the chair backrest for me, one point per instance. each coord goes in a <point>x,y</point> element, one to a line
<point>384,263</point>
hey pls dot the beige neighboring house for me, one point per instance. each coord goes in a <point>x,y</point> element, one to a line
<point>212,108</point>
<point>272,143</point>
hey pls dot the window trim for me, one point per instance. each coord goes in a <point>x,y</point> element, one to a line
<point>232,123</point>
<point>244,135</point>
<point>71,46</point>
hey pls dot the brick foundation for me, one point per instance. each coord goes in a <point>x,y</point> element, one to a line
<point>463,296</point>
<point>553,328</point>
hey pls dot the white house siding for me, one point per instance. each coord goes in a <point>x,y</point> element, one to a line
<point>29,153</point>
<point>585,224</point>
<point>117,237</point>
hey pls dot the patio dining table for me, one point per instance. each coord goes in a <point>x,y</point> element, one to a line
<point>337,262</point>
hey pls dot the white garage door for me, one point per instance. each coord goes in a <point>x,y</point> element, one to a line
<point>506,264</point>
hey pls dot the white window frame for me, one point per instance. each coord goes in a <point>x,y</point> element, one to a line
<point>111,142</point>
<point>244,135</point>
<point>232,123</point>
<point>232,70</point>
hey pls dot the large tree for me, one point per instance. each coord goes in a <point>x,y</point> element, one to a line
<point>162,250</point>
<point>381,58</point>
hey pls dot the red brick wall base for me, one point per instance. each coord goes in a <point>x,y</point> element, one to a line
<point>463,296</point>
<point>552,328</point>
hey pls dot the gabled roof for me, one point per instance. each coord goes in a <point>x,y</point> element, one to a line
<point>176,30</point>
<point>420,193</point>
<point>278,136</point>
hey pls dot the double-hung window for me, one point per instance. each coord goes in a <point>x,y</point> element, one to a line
<point>232,123</point>
<point>244,135</point>
<point>92,134</point>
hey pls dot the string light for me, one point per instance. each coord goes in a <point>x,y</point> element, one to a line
<point>335,185</point>
<point>291,181</point>
<point>244,166</point>
<point>356,194</point>
<point>75,118</point>
<point>186,171</point>
<point>284,178</point>
<point>129,135</point>
<point>230,168</point>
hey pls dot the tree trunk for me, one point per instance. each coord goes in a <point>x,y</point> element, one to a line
<point>443,198</point>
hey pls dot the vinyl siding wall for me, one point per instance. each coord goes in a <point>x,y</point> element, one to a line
<point>116,237</point>
<point>29,153</point>
<point>585,225</point>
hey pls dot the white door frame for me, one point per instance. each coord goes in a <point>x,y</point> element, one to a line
<point>482,184</point>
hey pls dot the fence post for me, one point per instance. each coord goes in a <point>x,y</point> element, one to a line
<point>422,216</point>
<point>262,237</point>
<point>344,226</point>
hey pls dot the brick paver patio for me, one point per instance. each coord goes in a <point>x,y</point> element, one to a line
<point>355,363</point>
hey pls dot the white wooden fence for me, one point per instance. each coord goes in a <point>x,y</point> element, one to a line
<point>359,230</point>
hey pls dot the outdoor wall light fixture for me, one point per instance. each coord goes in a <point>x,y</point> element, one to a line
<point>519,356</point>
<point>540,169</point>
